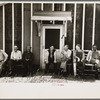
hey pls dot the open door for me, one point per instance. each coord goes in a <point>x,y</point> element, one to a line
<point>52,35</point>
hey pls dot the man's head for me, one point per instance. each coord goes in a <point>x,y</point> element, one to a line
<point>28,48</point>
<point>94,47</point>
<point>78,46</point>
<point>66,47</point>
<point>15,48</point>
<point>52,48</point>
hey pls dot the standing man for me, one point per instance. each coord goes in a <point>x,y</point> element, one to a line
<point>15,59</point>
<point>50,59</point>
<point>28,61</point>
<point>3,58</point>
<point>65,58</point>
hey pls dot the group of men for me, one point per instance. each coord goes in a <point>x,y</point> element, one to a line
<point>93,57</point>
<point>51,59</point>
<point>16,58</point>
<point>65,56</point>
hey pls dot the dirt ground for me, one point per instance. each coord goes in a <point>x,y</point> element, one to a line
<point>49,78</point>
<point>50,86</point>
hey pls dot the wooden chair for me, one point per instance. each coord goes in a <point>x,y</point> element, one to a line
<point>90,67</point>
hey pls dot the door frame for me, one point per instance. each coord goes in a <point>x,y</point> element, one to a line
<point>42,40</point>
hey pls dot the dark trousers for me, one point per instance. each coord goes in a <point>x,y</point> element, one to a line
<point>80,66</point>
<point>28,67</point>
<point>48,65</point>
<point>13,64</point>
<point>35,68</point>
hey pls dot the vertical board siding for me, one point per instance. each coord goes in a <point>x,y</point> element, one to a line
<point>17,25</point>
<point>31,40</point>
<point>8,28</point>
<point>58,7</point>
<point>97,26</point>
<point>69,38</point>
<point>88,26</point>
<point>27,25</point>
<point>93,27</point>
<point>36,38</point>
<point>74,25</point>
<point>1,27</point>
<point>22,33</point>
<point>47,7</point>
<point>13,26</point>
<point>79,16</point>
<point>83,25</point>
<point>37,7</point>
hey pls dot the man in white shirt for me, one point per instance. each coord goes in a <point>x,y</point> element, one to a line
<point>65,57</point>
<point>3,58</point>
<point>15,58</point>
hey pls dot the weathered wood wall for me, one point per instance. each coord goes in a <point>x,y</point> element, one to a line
<point>36,38</point>
<point>27,24</point>
<point>88,26</point>
<point>1,27</point>
<point>8,28</point>
<point>97,28</point>
<point>17,25</point>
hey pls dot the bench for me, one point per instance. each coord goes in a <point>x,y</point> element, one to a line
<point>89,68</point>
<point>88,65</point>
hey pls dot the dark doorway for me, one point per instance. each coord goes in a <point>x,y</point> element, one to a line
<point>52,38</point>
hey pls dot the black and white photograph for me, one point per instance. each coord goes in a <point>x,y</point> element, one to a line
<point>51,42</point>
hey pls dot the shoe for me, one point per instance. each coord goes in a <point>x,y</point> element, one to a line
<point>96,77</point>
<point>15,75</point>
<point>30,74</point>
<point>24,75</point>
<point>10,73</point>
<point>12,76</point>
<point>0,76</point>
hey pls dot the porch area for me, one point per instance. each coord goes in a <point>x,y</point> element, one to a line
<point>25,24</point>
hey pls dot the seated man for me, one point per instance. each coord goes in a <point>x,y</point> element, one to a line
<point>79,56</point>
<point>15,59</point>
<point>51,59</point>
<point>65,58</point>
<point>93,57</point>
<point>3,58</point>
<point>28,61</point>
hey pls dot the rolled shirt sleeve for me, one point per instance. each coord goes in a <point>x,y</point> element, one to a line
<point>83,56</point>
<point>12,55</point>
<point>5,55</point>
<point>46,53</point>
<point>20,55</point>
<point>89,56</point>
<point>68,54</point>
<point>55,58</point>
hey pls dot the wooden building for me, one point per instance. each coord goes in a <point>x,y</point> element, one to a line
<point>42,24</point>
